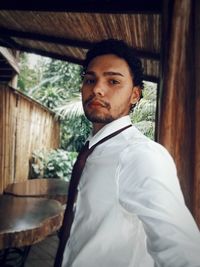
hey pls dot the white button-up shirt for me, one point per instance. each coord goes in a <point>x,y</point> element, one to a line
<point>130,210</point>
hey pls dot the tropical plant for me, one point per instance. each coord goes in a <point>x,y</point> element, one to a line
<point>74,132</point>
<point>52,82</point>
<point>51,97</point>
<point>28,77</point>
<point>143,115</point>
<point>66,76</point>
<point>52,164</point>
<point>75,128</point>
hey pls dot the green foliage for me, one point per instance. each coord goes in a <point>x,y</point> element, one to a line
<point>147,128</point>
<point>53,164</point>
<point>51,97</point>
<point>52,82</point>
<point>74,132</point>
<point>28,77</point>
<point>143,115</point>
<point>144,111</point>
<point>68,75</point>
<point>75,128</point>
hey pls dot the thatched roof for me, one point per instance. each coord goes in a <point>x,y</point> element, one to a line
<point>66,30</point>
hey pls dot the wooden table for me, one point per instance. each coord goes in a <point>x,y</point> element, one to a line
<point>24,222</point>
<point>49,188</point>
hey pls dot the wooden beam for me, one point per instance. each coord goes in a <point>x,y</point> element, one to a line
<point>45,38</point>
<point>41,52</point>
<point>10,58</point>
<point>176,105</point>
<point>89,6</point>
<point>196,195</point>
<point>65,41</point>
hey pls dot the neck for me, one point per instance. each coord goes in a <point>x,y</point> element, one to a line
<point>96,127</point>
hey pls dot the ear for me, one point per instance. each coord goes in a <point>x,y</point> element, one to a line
<point>136,94</point>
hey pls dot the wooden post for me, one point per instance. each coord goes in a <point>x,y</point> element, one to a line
<point>196,199</point>
<point>176,103</point>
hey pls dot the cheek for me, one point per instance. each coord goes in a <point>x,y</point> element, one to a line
<point>120,101</point>
<point>120,96</point>
<point>85,93</point>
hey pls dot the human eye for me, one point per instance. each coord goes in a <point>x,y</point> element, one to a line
<point>113,81</point>
<point>87,80</point>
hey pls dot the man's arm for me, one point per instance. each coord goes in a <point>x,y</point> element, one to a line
<point>149,188</point>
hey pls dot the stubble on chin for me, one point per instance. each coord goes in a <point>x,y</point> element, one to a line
<point>98,118</point>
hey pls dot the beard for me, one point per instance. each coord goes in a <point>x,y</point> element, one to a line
<point>97,116</point>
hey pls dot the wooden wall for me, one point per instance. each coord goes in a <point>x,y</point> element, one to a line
<point>179,124</point>
<point>196,195</point>
<point>24,127</point>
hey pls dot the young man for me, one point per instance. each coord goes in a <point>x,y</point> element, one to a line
<point>130,210</point>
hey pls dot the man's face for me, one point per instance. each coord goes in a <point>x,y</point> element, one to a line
<point>108,90</point>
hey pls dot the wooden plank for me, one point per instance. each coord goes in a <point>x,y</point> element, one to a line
<point>2,112</point>
<point>6,139</point>
<point>12,60</point>
<point>13,118</point>
<point>24,126</point>
<point>66,41</point>
<point>176,126</point>
<point>196,199</point>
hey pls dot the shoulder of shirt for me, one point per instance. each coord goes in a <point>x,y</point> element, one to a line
<point>138,145</point>
<point>142,158</point>
<point>132,140</point>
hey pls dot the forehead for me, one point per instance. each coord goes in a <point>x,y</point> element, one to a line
<point>109,62</point>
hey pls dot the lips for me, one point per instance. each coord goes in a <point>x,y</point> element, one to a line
<point>96,104</point>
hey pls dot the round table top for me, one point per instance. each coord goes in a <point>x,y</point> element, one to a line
<point>50,188</point>
<point>25,221</point>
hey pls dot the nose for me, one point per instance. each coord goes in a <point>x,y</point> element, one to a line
<point>98,88</point>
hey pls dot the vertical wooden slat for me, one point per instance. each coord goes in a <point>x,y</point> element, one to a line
<point>196,198</point>
<point>13,117</point>
<point>24,127</point>
<point>5,126</point>
<point>2,120</point>
<point>4,137</point>
<point>176,108</point>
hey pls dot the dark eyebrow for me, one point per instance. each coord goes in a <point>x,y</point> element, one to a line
<point>111,73</point>
<point>107,73</point>
<point>89,73</point>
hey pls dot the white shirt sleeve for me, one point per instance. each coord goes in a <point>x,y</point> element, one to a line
<point>148,187</point>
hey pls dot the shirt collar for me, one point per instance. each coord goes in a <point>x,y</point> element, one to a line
<point>109,129</point>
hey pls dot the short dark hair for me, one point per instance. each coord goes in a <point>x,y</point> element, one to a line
<point>120,49</point>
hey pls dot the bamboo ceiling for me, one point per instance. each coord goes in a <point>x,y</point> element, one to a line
<point>67,34</point>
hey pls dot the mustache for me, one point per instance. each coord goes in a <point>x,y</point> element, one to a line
<point>101,102</point>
